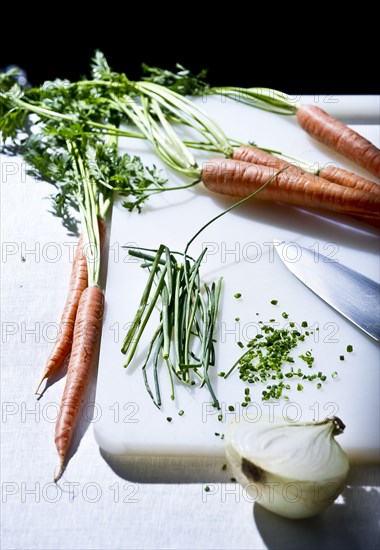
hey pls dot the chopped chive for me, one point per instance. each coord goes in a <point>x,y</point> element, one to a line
<point>285,315</point>
<point>334,374</point>
<point>265,357</point>
<point>169,419</point>
<point>237,319</point>
<point>224,467</point>
<point>221,373</point>
<point>240,344</point>
<point>220,417</point>
<point>233,479</point>
<point>237,295</point>
<point>319,385</point>
<point>341,357</point>
<point>274,302</point>
<point>181,413</point>
<point>350,349</point>
<point>231,408</point>
<point>217,434</point>
<point>207,489</point>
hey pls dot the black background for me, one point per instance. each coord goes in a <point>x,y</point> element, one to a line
<point>248,46</point>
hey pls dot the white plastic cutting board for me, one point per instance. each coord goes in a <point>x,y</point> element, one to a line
<point>240,250</point>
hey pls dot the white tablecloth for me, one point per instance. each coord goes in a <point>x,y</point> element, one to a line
<point>101,503</point>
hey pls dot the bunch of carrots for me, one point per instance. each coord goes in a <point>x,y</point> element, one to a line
<point>153,109</point>
<point>79,333</point>
<point>331,188</point>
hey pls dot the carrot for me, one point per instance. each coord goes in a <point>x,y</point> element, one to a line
<point>330,173</point>
<point>240,179</point>
<point>336,135</point>
<point>78,282</point>
<point>87,331</point>
<point>349,179</point>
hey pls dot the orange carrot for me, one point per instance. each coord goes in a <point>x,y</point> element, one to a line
<point>336,135</point>
<point>349,179</point>
<point>87,331</point>
<point>78,282</point>
<point>240,179</point>
<point>330,173</point>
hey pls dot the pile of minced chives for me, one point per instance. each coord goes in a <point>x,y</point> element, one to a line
<point>268,359</point>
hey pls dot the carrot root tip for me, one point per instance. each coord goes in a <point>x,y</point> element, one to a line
<point>61,469</point>
<point>39,385</point>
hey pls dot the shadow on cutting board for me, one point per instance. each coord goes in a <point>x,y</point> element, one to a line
<point>350,524</point>
<point>161,469</point>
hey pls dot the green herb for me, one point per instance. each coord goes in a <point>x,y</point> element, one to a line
<point>207,489</point>
<point>350,349</point>
<point>185,312</point>
<point>267,354</point>
<point>182,81</point>
<point>341,357</point>
<point>233,479</point>
<point>240,344</point>
<point>274,302</point>
<point>224,467</point>
<point>319,385</point>
<point>181,413</point>
<point>285,315</point>
<point>334,374</point>
<point>231,408</point>
<point>299,387</point>
<point>169,419</point>
<point>304,324</point>
<point>220,417</point>
<point>307,357</point>
<point>237,319</point>
<point>237,295</point>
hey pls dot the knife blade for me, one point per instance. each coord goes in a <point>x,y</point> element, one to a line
<point>352,294</point>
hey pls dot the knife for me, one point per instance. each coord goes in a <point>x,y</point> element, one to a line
<point>354,295</point>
